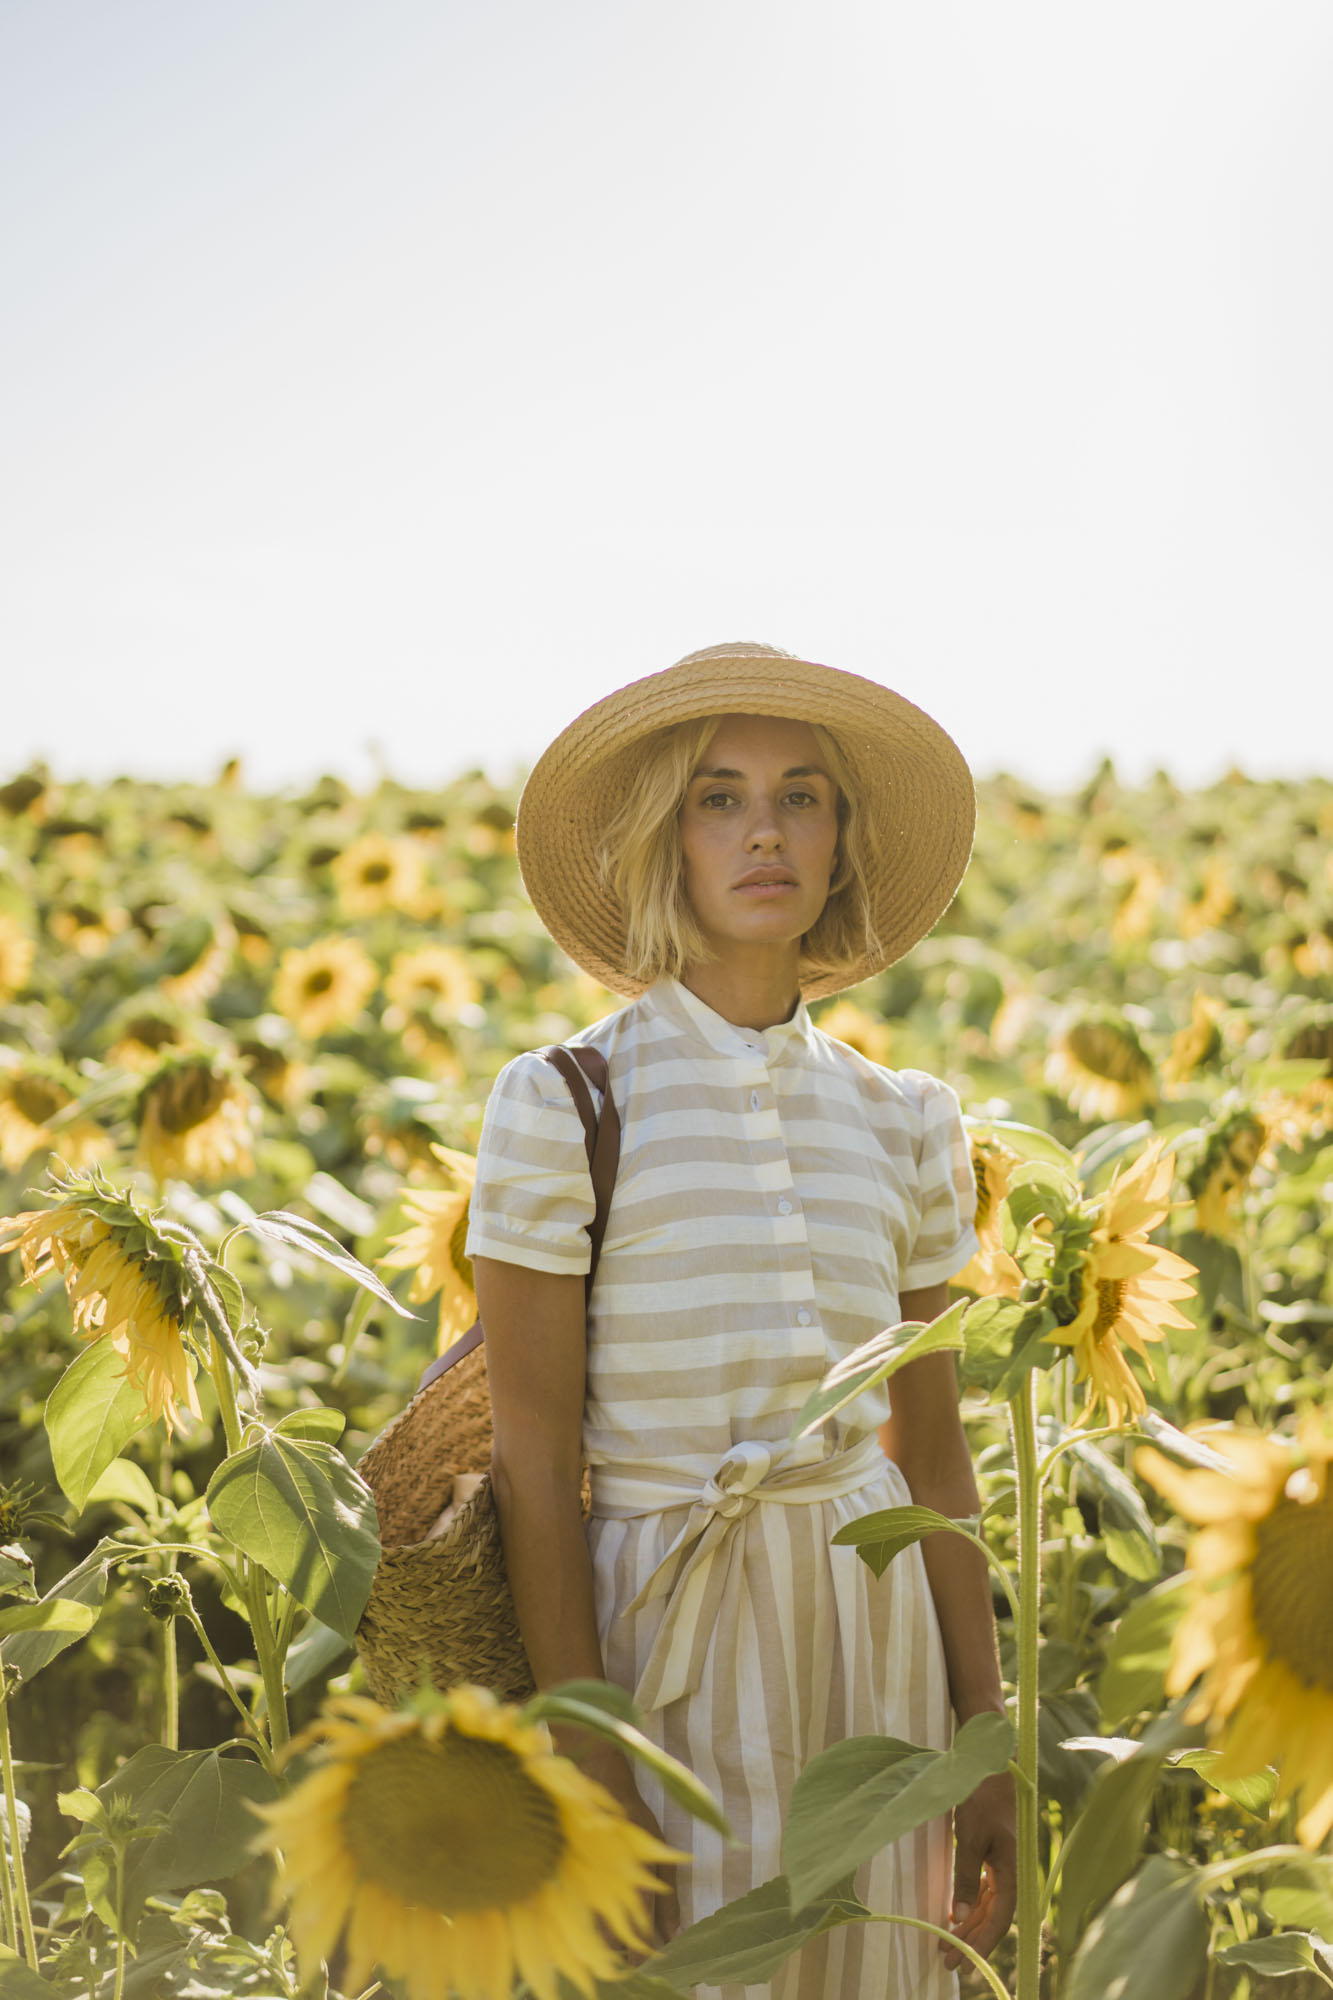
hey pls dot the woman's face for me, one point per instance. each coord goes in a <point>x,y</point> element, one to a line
<point>759,830</point>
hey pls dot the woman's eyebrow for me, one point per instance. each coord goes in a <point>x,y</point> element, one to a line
<point>796,771</point>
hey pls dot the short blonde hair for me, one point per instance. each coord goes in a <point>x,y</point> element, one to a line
<point>640,858</point>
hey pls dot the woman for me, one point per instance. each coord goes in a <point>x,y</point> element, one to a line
<point>722,841</point>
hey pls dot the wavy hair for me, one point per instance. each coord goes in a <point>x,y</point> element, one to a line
<point>641,859</point>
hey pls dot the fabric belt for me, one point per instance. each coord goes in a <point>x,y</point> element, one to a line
<point>696,1571</point>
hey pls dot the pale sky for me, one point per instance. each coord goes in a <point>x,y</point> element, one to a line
<point>411,373</point>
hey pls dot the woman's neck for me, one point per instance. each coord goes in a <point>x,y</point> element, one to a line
<point>751,990</point>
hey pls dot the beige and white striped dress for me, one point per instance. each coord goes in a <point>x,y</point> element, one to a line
<point>776,1192</point>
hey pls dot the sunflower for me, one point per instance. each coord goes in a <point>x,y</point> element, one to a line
<point>379,873</point>
<point>1259,1624</point>
<point>435,981</point>
<point>16,955</point>
<point>433,1246</point>
<point>1133,919</point>
<point>1211,903</point>
<point>31,1094</point>
<point>992,1272</point>
<point>1195,1046</point>
<point>1127,1285</point>
<point>196,1120</point>
<point>1230,1155</point>
<point>86,930</point>
<point>142,1033</point>
<point>324,985</point>
<point>1101,1067</point>
<point>116,1296</point>
<point>847,1022</point>
<point>458,1852</point>
<point>206,951</point>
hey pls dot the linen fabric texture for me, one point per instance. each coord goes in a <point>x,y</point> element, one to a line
<point>776,1193</point>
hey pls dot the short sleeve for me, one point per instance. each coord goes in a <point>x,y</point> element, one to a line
<point>533,1196</point>
<point>945,1239</point>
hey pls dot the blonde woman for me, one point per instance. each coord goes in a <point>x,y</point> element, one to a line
<point>721,842</point>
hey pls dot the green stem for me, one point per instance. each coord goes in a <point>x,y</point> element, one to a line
<point>254,1586</point>
<point>171,1722</point>
<point>1028,1915</point>
<point>12,1820</point>
<point>253,1742</point>
<point>988,1973</point>
<point>120,1925</point>
<point>7,1894</point>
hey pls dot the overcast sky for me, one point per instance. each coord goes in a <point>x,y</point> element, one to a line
<point>409,374</point>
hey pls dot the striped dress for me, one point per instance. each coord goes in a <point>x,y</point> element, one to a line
<point>776,1192</point>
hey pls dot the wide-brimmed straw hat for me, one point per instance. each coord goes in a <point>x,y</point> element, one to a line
<point>912,776</point>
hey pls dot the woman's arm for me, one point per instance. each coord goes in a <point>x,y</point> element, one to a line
<point>925,1438</point>
<point>536,1359</point>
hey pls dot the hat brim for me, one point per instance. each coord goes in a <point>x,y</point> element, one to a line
<point>911,774</point>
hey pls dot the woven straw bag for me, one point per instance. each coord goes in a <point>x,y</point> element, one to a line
<point>440,1604</point>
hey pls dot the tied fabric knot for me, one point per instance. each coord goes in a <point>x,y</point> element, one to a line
<point>699,1566</point>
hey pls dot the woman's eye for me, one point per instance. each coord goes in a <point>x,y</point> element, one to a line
<point>713,799</point>
<point>802,799</point>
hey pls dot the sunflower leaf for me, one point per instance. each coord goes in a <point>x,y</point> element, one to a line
<point>878,1538</point>
<point>680,1783</point>
<point>18,1981</point>
<point>297,1508</point>
<point>281,1226</point>
<point>201,1803</point>
<point>16,1573</point>
<point>84,1585</point>
<point>91,1415</point>
<point>1152,1937</point>
<point>746,1941</point>
<point>875,1360</point>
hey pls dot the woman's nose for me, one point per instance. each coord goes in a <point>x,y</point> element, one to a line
<point>765,829</point>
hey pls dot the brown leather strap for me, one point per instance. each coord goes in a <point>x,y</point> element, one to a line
<point>601,1138</point>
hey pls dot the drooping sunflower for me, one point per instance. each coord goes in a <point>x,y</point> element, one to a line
<point>17,951</point>
<point>196,1119</point>
<point>1195,1046</point>
<point>1127,1287</point>
<point>87,930</point>
<point>847,1022</point>
<point>992,1272</point>
<point>458,1852</point>
<point>1231,1152</point>
<point>378,873</point>
<point>1102,1068</point>
<point>324,985</point>
<point>32,1092</point>
<point>203,949</point>
<point>142,1032</point>
<point>130,1300</point>
<point>1211,902</point>
<point>1259,1626</point>
<point>433,1245</point>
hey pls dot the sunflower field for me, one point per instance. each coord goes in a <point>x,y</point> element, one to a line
<point>245,1047</point>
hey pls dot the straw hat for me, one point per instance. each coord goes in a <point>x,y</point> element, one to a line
<point>912,776</point>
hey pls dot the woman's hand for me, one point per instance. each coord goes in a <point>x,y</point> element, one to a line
<point>985,1875</point>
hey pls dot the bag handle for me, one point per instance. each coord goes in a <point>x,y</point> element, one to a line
<point>601,1139</point>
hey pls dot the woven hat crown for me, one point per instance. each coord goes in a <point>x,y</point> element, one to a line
<point>914,784</point>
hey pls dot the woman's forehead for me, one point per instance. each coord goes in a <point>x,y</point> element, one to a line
<point>761,738</point>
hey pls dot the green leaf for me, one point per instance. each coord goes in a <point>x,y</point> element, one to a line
<point>989,1328</point>
<point>875,1360</point>
<point>281,1226</point>
<point>230,1295</point>
<point>1126,1525</point>
<point>1300,1895</point>
<point>127,1482</point>
<point>320,1422</point>
<point>91,1415</point>
<point>52,1614</point>
<point>297,1508</point>
<point>84,1806</point>
<point>1151,1938</point>
<point>1292,1951</point>
<point>18,1981</point>
<point>16,1574</point>
<point>605,1718</point>
<point>30,1651</point>
<point>318,1650</point>
<point>860,1795</point>
<point>1025,1140</point>
<point>605,1695</point>
<point>878,1538</point>
<point>745,1942</point>
<point>1134,1676</point>
<point>206,1797</point>
<point>1179,1444</point>
<point>1253,1795</point>
<point>1107,1837</point>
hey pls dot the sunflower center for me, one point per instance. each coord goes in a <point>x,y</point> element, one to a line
<point>37,1099</point>
<point>1099,1048</point>
<point>188,1098</point>
<point>1292,1587</point>
<point>456,1826</point>
<point>318,982</point>
<point>376,872</point>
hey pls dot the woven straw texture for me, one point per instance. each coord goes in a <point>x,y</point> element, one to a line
<point>915,780</point>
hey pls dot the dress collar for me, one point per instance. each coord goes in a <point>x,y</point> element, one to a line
<point>773,1044</point>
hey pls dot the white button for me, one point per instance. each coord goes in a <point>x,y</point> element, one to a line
<point>784,1208</point>
<point>754,1100</point>
<point>803,1317</point>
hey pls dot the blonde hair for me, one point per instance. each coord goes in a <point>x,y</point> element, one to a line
<point>640,858</point>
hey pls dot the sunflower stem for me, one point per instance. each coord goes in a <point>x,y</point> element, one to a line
<point>7,1891</point>
<point>974,1958</point>
<point>1028,1916</point>
<point>253,1742</point>
<point>254,1580</point>
<point>12,1825</point>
